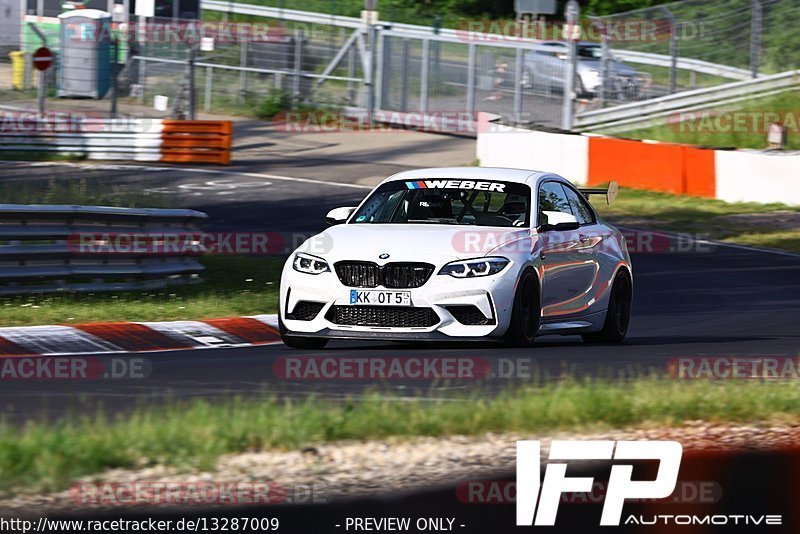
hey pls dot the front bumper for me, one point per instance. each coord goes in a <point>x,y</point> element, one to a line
<point>492,295</point>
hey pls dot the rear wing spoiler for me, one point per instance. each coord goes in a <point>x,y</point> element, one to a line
<point>610,192</point>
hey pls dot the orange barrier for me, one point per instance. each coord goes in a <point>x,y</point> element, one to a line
<point>196,141</point>
<point>655,166</point>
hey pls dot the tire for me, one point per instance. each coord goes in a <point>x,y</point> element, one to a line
<point>618,317</point>
<point>295,342</point>
<point>525,313</point>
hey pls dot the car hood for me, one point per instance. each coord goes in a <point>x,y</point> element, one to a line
<point>436,243</point>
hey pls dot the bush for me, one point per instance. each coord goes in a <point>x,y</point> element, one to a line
<point>274,102</point>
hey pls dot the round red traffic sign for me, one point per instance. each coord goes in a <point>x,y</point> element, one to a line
<point>42,58</point>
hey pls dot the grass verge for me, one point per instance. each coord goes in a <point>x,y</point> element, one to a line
<point>707,133</point>
<point>234,285</point>
<point>45,456</point>
<point>762,225</point>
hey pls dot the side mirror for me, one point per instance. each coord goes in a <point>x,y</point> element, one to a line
<point>338,215</point>
<point>557,221</point>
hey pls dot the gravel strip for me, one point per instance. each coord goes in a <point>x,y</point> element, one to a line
<point>350,469</point>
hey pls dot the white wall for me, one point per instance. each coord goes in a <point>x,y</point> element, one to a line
<point>749,176</point>
<point>566,155</point>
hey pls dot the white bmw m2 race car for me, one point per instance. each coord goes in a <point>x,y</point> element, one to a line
<point>461,254</point>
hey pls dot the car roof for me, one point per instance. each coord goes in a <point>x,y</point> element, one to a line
<point>471,173</point>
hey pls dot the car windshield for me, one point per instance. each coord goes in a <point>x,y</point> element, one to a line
<point>590,52</point>
<point>458,202</point>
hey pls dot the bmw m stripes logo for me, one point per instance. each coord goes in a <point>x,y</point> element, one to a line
<point>456,184</point>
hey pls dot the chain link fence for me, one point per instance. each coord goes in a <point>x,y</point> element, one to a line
<point>306,60</point>
<point>727,39</point>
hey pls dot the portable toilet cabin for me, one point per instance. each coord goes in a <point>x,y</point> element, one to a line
<point>84,68</point>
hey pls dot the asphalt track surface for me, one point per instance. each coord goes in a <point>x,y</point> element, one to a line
<point>707,301</point>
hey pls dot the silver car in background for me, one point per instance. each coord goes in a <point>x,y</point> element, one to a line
<point>546,66</point>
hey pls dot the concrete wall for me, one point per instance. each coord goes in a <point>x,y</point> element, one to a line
<point>730,175</point>
<point>562,154</point>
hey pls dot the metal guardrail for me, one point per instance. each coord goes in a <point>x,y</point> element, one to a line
<point>449,35</point>
<point>651,112</point>
<point>684,63</point>
<point>55,248</point>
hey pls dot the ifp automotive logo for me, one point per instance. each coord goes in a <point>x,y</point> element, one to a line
<point>620,485</point>
<point>539,508</point>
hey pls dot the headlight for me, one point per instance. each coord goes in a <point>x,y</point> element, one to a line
<point>593,77</point>
<point>306,263</point>
<point>474,268</point>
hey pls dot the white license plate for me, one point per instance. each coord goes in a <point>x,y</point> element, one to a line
<point>380,298</point>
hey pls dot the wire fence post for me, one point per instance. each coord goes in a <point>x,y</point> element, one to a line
<point>673,50</point>
<point>142,78</point>
<point>114,69</point>
<point>572,28</point>
<point>755,37</point>
<point>191,73</point>
<point>351,73</point>
<point>298,66</point>
<point>209,86</point>
<point>243,73</point>
<point>423,83</point>
<point>141,38</point>
<point>604,70</point>
<point>372,33</point>
<point>381,54</point>
<point>471,65</point>
<point>518,86</point>
<point>404,75</point>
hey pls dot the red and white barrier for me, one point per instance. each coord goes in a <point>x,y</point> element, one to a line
<point>129,139</point>
<point>123,337</point>
<point>730,175</point>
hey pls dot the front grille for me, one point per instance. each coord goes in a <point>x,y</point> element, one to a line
<point>305,311</point>
<point>469,315</point>
<point>386,316</point>
<point>392,275</point>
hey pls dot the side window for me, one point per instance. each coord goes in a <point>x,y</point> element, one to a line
<point>553,198</point>
<point>580,207</point>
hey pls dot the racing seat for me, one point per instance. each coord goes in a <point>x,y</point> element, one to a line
<point>514,211</point>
